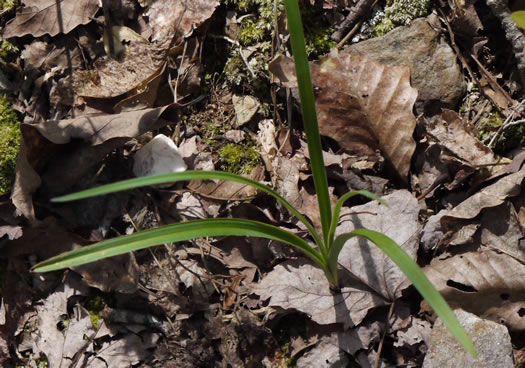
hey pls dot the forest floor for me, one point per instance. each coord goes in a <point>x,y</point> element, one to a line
<point>419,102</point>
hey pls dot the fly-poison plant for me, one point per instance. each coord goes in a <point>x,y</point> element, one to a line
<point>326,248</point>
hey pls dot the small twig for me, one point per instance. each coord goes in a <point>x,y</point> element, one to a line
<point>478,115</point>
<point>460,56</point>
<point>439,180</point>
<point>179,73</point>
<point>356,12</point>
<point>493,82</point>
<point>355,29</point>
<point>349,35</point>
<point>380,348</point>
<point>507,123</point>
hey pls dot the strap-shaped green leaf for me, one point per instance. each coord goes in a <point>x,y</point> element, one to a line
<point>519,18</point>
<point>337,211</point>
<point>189,175</point>
<point>175,233</point>
<point>311,127</point>
<point>414,274</point>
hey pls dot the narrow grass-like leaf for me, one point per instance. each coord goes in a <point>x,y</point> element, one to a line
<point>311,127</point>
<point>519,18</point>
<point>188,175</point>
<point>337,212</point>
<point>175,233</point>
<point>417,277</point>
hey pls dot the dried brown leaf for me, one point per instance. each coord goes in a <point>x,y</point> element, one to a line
<point>172,21</point>
<point>399,221</point>
<point>486,283</point>
<point>227,190</point>
<point>101,134</point>
<point>491,196</point>
<point>303,287</point>
<point>367,106</point>
<point>137,66</point>
<point>39,17</point>
<point>459,139</point>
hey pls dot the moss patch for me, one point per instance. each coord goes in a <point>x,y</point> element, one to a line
<point>401,13</point>
<point>9,144</point>
<point>238,159</point>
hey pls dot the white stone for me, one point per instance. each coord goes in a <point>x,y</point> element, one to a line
<point>159,156</point>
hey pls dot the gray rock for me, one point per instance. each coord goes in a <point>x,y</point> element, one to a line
<point>491,340</point>
<point>432,62</point>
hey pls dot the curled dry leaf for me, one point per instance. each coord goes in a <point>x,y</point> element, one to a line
<point>100,135</point>
<point>491,196</point>
<point>367,106</point>
<point>138,64</point>
<point>172,21</point>
<point>58,346</point>
<point>40,17</point>
<point>459,139</point>
<point>488,284</point>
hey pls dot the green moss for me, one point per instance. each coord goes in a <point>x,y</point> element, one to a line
<point>8,50</point>
<point>512,137</point>
<point>238,159</point>
<point>9,144</point>
<point>319,41</point>
<point>489,125</point>
<point>6,5</point>
<point>235,70</point>
<point>94,306</point>
<point>401,13</point>
<point>251,32</point>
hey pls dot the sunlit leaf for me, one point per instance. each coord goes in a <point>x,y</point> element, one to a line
<point>415,275</point>
<point>175,233</point>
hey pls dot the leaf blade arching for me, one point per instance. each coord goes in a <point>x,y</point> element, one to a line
<point>311,126</point>
<point>174,233</point>
<point>188,175</point>
<point>418,279</point>
<point>519,18</point>
<point>337,212</point>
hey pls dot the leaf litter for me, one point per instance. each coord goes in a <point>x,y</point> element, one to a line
<point>226,301</point>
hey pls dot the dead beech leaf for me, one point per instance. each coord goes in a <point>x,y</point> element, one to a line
<point>303,287</point>
<point>399,221</point>
<point>39,17</point>
<point>138,64</point>
<point>488,284</point>
<point>501,230</point>
<point>367,106</point>
<point>227,190</point>
<point>460,140</point>
<point>172,21</point>
<point>100,128</point>
<point>47,338</point>
<point>100,135</point>
<point>490,196</point>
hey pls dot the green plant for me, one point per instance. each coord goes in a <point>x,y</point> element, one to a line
<point>238,159</point>
<point>519,18</point>
<point>9,144</point>
<point>328,247</point>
